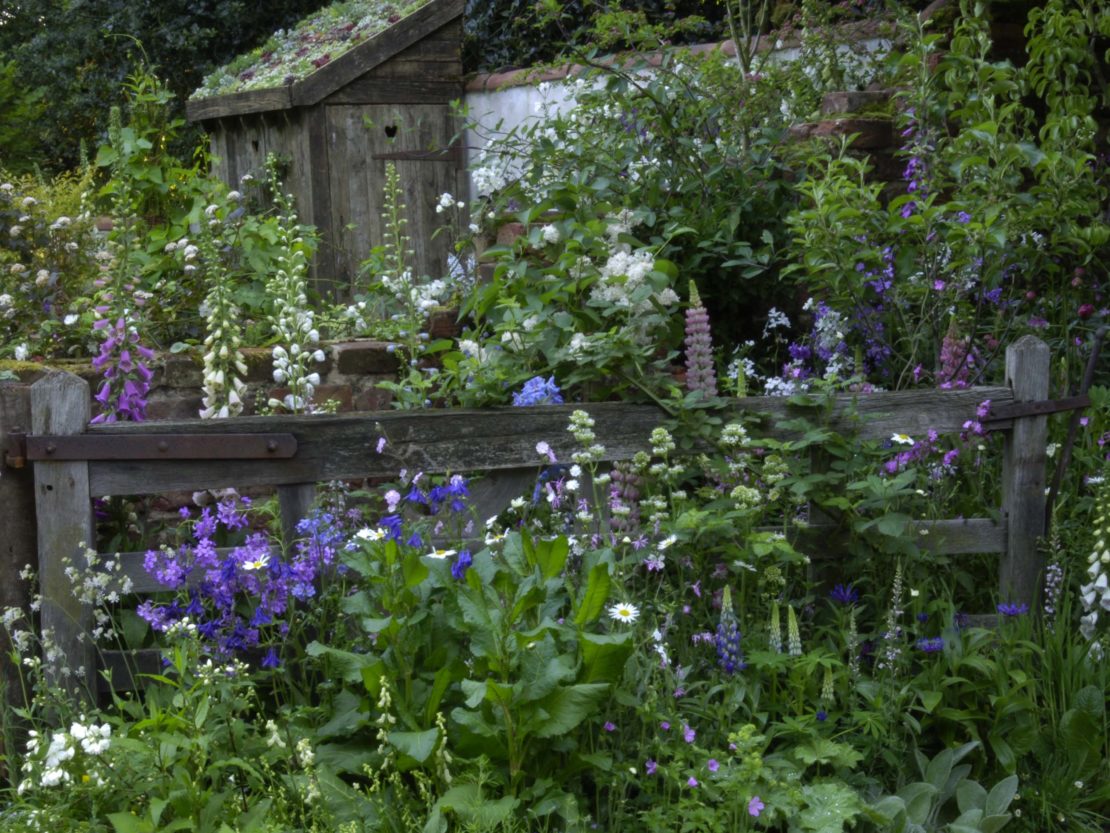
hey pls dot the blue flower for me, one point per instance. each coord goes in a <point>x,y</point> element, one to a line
<point>931,646</point>
<point>727,639</point>
<point>538,391</point>
<point>822,716</point>
<point>271,660</point>
<point>1011,609</point>
<point>462,561</point>
<point>844,594</point>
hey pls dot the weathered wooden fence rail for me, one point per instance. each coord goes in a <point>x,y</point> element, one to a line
<point>74,461</point>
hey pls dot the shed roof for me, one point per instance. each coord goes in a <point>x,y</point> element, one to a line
<point>411,22</point>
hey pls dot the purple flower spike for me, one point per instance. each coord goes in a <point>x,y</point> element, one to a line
<point>700,375</point>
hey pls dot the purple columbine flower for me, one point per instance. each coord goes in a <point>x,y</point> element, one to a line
<point>700,375</point>
<point>271,660</point>
<point>1011,609</point>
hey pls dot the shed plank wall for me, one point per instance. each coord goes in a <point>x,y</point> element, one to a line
<point>358,133</point>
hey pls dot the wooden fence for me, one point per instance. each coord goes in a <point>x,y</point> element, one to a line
<point>74,461</point>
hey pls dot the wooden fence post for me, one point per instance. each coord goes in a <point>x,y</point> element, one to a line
<point>18,539</point>
<point>294,501</point>
<point>60,405</point>
<point>1023,473</point>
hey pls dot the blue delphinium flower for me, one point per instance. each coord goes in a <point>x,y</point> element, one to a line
<point>844,594</point>
<point>271,660</point>
<point>538,391</point>
<point>462,561</point>
<point>729,656</point>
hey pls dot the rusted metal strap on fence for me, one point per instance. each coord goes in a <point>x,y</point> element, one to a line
<point>1013,410</point>
<point>25,448</point>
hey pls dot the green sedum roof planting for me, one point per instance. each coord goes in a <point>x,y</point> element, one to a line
<point>290,55</point>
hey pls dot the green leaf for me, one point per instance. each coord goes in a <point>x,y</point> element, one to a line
<point>604,656</point>
<point>566,707</point>
<point>970,795</point>
<point>930,700</point>
<point>128,823</point>
<point>594,596</point>
<point>551,555</point>
<point>413,569</point>
<point>938,769</point>
<point>417,745</point>
<point>1000,796</point>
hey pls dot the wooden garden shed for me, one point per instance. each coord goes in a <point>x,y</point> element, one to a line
<point>388,98</point>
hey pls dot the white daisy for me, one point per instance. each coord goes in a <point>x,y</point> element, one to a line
<point>441,554</point>
<point>624,612</point>
<point>901,439</point>
<point>259,564</point>
<point>368,534</point>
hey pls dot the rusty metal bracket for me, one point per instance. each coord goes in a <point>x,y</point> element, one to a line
<point>1013,410</point>
<point>159,447</point>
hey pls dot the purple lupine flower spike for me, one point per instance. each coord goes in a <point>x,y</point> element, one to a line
<point>700,375</point>
<point>728,637</point>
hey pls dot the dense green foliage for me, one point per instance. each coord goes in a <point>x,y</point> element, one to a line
<point>77,56</point>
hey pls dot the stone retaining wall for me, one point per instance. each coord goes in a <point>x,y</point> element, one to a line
<point>350,375</point>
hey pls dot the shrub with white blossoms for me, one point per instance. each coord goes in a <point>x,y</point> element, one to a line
<point>74,755</point>
<point>292,321</point>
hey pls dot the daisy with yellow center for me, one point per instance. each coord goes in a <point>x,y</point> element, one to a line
<point>901,439</point>
<point>259,564</point>
<point>624,612</point>
<point>441,554</point>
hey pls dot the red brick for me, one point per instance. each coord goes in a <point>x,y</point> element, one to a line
<point>363,357</point>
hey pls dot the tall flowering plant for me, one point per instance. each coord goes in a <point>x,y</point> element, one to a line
<point>291,319</point>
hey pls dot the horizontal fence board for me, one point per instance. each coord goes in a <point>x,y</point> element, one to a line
<point>962,537</point>
<point>344,447</point>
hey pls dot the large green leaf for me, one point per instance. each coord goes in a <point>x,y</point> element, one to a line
<point>594,596</point>
<point>551,555</point>
<point>417,745</point>
<point>566,707</point>
<point>604,656</point>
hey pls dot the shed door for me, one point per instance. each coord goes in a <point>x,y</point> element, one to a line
<point>361,139</point>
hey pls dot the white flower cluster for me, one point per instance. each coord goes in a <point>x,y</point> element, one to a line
<point>51,767</point>
<point>1096,593</point>
<point>414,295</point>
<point>292,320</point>
<point>446,201</point>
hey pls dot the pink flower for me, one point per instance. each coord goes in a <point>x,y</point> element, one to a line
<point>755,806</point>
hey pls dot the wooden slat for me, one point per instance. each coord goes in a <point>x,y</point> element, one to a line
<point>18,533</point>
<point>364,57</point>
<point>295,501</point>
<point>342,446</point>
<point>1023,473</point>
<point>399,91</point>
<point>962,537</point>
<point>60,404</point>
<point>237,104</point>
